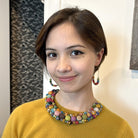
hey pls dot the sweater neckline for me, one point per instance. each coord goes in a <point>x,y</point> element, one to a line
<point>68,116</point>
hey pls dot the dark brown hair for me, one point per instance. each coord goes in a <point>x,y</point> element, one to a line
<point>86,23</point>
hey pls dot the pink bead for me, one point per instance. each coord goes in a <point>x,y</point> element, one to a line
<point>80,114</point>
<point>53,94</point>
<point>49,100</point>
<point>57,113</point>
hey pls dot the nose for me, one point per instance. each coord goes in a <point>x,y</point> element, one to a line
<point>63,65</point>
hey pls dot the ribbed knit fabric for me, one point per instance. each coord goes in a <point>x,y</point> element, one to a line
<point>31,120</point>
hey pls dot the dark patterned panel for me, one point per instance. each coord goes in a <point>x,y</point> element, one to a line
<point>26,68</point>
<point>134,49</point>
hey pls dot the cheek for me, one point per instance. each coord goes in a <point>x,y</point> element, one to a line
<point>50,67</point>
<point>86,67</point>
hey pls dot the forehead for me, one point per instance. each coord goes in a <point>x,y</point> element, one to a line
<point>63,34</point>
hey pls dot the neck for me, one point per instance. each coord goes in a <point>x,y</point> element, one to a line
<point>80,101</point>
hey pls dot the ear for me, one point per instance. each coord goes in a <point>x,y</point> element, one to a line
<point>99,57</point>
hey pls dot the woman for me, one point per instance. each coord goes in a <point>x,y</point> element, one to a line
<point>72,46</point>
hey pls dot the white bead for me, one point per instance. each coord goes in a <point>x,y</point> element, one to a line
<point>96,109</point>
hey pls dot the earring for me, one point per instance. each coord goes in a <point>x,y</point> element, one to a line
<point>93,80</point>
<point>50,80</point>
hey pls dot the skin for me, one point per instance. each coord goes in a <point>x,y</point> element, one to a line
<point>70,62</point>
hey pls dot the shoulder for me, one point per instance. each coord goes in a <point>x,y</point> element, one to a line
<point>112,118</point>
<point>30,108</point>
<point>23,117</point>
<point>108,114</point>
<point>116,123</point>
<point>36,103</point>
<point>28,112</point>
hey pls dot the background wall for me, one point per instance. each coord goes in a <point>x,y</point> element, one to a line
<point>118,88</point>
<point>4,64</point>
<point>21,75</point>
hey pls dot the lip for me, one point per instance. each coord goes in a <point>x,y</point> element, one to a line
<point>66,78</point>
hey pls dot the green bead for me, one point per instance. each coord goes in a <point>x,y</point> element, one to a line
<point>84,117</point>
<point>49,96</point>
<point>94,105</point>
<point>67,118</point>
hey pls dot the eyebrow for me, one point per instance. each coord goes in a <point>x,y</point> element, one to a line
<point>70,47</point>
<point>74,46</point>
<point>50,49</point>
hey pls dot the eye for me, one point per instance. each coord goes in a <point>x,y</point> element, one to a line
<point>51,55</point>
<point>76,53</point>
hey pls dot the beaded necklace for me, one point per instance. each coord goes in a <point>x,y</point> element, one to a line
<point>76,118</point>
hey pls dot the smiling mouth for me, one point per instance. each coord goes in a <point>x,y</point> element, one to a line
<point>67,78</point>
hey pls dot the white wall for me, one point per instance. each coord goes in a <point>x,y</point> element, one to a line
<point>4,64</point>
<point>118,88</point>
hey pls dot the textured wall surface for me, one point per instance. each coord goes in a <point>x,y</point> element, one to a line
<point>26,20</point>
<point>134,51</point>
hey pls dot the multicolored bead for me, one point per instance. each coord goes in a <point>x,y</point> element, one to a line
<point>67,118</point>
<point>73,118</point>
<point>79,118</point>
<point>56,113</point>
<point>84,116</point>
<point>62,116</point>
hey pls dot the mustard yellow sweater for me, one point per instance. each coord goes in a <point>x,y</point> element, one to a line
<point>31,120</point>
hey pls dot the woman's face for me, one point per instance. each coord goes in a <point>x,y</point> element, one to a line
<point>70,61</point>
